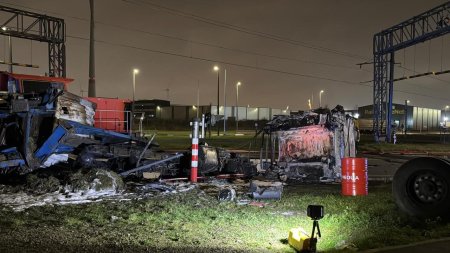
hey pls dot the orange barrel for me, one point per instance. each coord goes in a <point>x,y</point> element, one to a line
<point>354,176</point>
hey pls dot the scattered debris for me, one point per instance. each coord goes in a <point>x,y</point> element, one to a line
<point>258,204</point>
<point>227,194</point>
<point>266,190</point>
<point>214,161</point>
<point>243,202</point>
<point>160,187</point>
<point>40,185</point>
<point>95,180</point>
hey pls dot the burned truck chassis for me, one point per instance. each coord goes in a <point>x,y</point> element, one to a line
<point>309,145</point>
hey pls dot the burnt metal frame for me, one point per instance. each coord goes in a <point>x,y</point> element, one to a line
<point>38,27</point>
<point>426,26</point>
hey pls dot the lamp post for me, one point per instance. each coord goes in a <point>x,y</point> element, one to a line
<point>406,115</point>
<point>225,102</point>
<point>237,106</point>
<point>4,28</point>
<point>320,98</point>
<point>445,121</point>
<point>216,68</point>
<point>135,72</point>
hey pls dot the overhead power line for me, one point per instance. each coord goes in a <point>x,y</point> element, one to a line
<point>429,76</point>
<point>128,28</point>
<point>243,29</point>
<point>216,61</point>
<point>336,81</point>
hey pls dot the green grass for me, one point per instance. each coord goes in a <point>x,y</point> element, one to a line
<point>196,222</point>
<point>432,143</point>
<point>179,140</point>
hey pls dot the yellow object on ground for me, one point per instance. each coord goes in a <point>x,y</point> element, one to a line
<point>298,239</point>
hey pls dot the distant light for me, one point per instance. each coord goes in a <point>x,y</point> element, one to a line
<point>216,68</point>
<point>158,108</point>
<point>194,107</point>
<point>356,115</point>
<point>321,91</point>
<point>142,118</point>
<point>446,107</point>
<point>445,118</point>
<point>238,83</point>
<point>407,101</point>
<point>136,71</point>
<point>4,28</point>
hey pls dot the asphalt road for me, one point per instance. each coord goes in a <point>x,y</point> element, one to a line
<point>432,246</point>
<point>383,167</point>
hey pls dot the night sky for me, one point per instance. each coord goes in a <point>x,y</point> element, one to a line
<point>283,51</point>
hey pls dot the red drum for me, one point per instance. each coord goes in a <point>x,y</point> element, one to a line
<point>354,176</point>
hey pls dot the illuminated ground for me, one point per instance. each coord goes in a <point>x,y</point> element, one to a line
<point>196,222</point>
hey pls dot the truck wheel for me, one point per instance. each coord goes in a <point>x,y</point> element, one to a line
<point>421,187</point>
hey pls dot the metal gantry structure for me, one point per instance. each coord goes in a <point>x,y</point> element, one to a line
<point>426,26</point>
<point>34,26</point>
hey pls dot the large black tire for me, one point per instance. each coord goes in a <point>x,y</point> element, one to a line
<point>421,187</point>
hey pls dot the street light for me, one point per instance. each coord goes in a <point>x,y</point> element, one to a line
<point>4,28</point>
<point>135,72</point>
<point>309,104</point>
<point>320,98</point>
<point>406,115</point>
<point>445,117</point>
<point>216,68</point>
<point>237,105</point>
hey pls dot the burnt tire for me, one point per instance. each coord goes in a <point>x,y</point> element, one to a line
<point>421,187</point>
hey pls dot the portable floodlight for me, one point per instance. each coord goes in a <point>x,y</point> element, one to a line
<point>299,239</point>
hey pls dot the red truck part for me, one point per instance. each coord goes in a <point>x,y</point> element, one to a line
<point>111,114</point>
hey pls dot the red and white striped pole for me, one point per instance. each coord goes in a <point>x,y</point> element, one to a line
<point>194,160</point>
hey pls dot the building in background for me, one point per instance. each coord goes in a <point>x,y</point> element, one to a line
<point>417,118</point>
<point>149,108</point>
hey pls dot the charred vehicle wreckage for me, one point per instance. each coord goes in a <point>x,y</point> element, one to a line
<point>310,145</point>
<point>43,125</point>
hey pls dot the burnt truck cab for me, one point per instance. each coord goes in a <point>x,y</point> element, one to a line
<point>21,92</point>
<point>29,109</point>
<point>309,145</point>
<point>41,124</point>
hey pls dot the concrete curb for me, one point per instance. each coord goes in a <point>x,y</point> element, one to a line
<point>400,247</point>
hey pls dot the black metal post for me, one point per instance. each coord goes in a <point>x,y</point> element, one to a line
<point>218,97</point>
<point>91,87</point>
<point>406,115</point>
